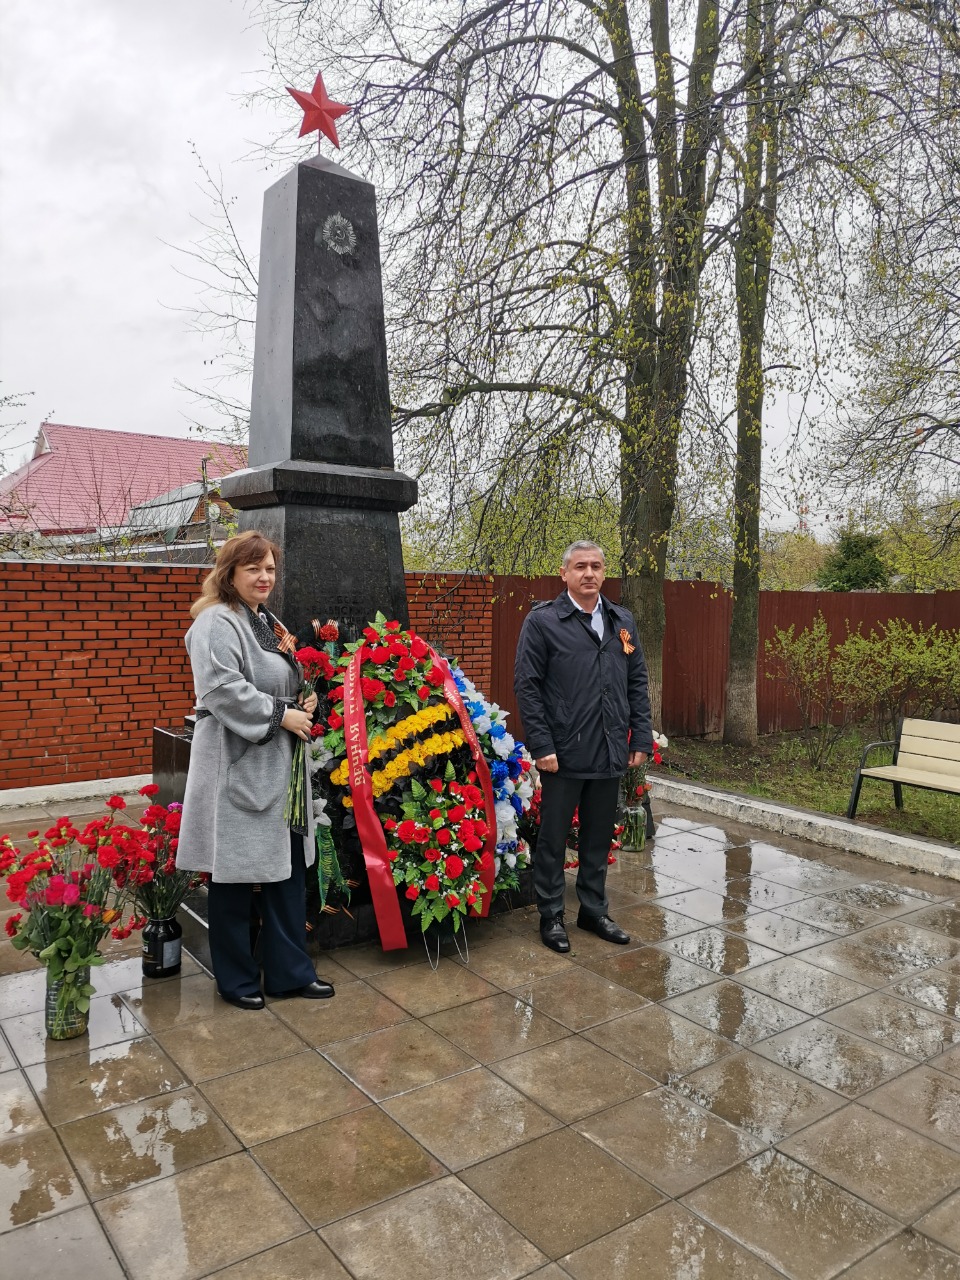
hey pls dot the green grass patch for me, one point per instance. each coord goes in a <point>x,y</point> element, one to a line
<point>778,769</point>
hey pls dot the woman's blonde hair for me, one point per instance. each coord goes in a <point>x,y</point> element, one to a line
<point>244,548</point>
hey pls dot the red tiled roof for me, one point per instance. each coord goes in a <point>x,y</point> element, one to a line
<point>80,478</point>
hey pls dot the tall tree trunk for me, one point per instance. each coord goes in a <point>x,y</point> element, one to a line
<point>753,250</point>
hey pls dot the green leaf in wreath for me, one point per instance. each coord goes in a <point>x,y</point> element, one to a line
<point>449,772</point>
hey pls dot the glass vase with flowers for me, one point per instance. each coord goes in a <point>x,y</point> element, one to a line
<point>69,891</point>
<point>637,816</point>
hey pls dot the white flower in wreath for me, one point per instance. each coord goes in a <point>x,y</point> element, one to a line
<point>320,813</point>
<point>338,234</point>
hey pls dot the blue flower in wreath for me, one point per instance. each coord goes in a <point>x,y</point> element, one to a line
<point>497,731</point>
<point>513,767</point>
<point>498,773</point>
<point>517,803</point>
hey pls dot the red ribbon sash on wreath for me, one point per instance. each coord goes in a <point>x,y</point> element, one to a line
<point>386,905</point>
<point>452,694</point>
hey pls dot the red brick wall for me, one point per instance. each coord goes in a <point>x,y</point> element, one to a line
<point>92,657</point>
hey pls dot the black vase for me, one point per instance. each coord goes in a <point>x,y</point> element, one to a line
<point>162,948</point>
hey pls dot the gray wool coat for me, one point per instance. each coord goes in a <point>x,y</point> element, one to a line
<point>232,824</point>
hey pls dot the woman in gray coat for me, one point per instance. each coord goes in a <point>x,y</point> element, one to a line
<point>240,758</point>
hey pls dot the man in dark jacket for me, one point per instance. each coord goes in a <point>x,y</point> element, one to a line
<point>581,685</point>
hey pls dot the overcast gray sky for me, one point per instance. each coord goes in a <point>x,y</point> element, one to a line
<point>99,100</point>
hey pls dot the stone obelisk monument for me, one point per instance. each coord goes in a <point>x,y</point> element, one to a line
<point>321,480</point>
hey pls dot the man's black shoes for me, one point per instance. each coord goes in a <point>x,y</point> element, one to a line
<point>603,927</point>
<point>553,934</point>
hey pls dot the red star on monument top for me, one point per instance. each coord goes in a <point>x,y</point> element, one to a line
<point>319,111</point>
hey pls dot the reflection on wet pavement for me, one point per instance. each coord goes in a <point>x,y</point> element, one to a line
<point>765,1082</point>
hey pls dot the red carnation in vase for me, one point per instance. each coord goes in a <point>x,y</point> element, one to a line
<point>115,802</point>
<point>150,789</point>
<point>412,892</point>
<point>10,925</point>
<point>453,867</point>
<point>432,883</point>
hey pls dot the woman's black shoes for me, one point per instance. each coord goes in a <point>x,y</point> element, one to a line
<point>315,990</point>
<point>243,1002</point>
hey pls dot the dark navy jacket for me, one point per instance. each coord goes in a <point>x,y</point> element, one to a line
<point>579,698</point>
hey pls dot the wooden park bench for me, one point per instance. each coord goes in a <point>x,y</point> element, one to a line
<point>926,754</point>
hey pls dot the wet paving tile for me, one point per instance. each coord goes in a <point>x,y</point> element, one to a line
<point>791,1216</point>
<point>561,1191</point>
<point>771,929</point>
<point>906,1028</point>
<point>117,1150</point>
<point>719,951</point>
<point>943,1223</point>
<point>577,998</point>
<point>828,914</point>
<point>345,1164</point>
<point>644,882</point>
<point>514,960</point>
<point>707,907</point>
<point>949,1061</point>
<point>735,1012</point>
<point>763,894</point>
<point>924,1100</point>
<point>355,1010</point>
<point>363,962</point>
<point>572,1078</point>
<point>19,1112</point>
<point>305,1258</point>
<point>805,986</point>
<point>469,1117</point>
<point>198,1221</point>
<point>265,1102</point>
<point>398,1058</point>
<point>883,954</point>
<point>36,1179</point>
<point>421,992</point>
<point>37,1252</point>
<point>877,895</point>
<point>110,1023</point>
<point>926,887</point>
<point>690,844</point>
<point>669,1140</point>
<point>171,1004</point>
<point>812,876</point>
<point>894,1169</point>
<point>667,1244</point>
<point>945,920</point>
<point>445,1222</point>
<point>231,1042</point>
<point>833,1057</point>
<point>659,1042</point>
<point>650,972</point>
<point>648,922</point>
<point>934,989</point>
<point>497,1027</point>
<point>764,1099</point>
<point>7,1060</point>
<point>907,1255</point>
<point>69,1088</point>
